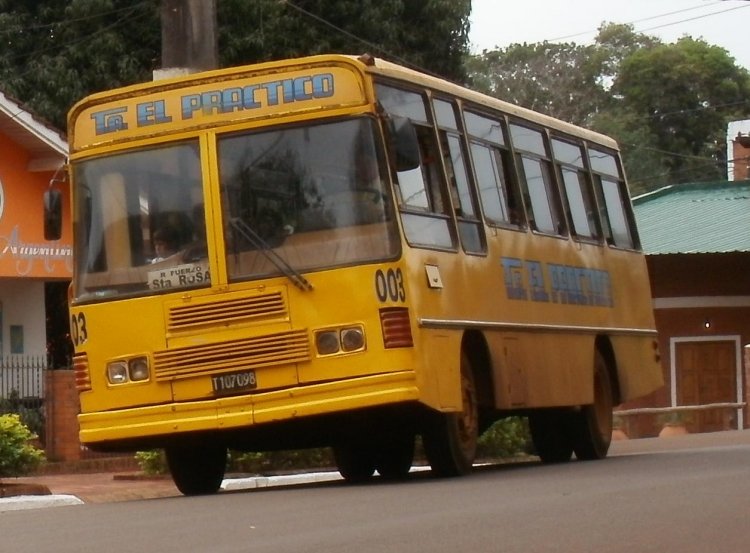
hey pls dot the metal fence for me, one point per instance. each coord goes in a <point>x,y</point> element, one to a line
<point>22,376</point>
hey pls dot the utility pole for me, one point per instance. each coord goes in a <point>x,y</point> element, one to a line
<point>188,37</point>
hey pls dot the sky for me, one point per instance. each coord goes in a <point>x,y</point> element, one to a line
<point>499,23</point>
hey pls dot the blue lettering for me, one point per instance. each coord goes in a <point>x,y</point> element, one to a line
<point>272,94</point>
<point>190,104</point>
<point>110,120</point>
<point>536,281</point>
<point>513,276</point>
<point>322,85</point>
<point>248,97</point>
<point>232,99</point>
<point>152,113</point>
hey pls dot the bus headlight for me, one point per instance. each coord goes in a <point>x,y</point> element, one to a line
<point>138,369</point>
<point>117,372</point>
<point>352,339</point>
<point>327,342</point>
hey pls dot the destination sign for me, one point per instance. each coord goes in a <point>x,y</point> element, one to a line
<point>219,101</point>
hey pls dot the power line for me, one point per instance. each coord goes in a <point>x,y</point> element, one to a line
<point>376,47</point>
<point>74,20</point>
<point>637,21</point>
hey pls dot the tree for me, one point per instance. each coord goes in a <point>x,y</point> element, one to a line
<point>668,105</point>
<point>561,80</point>
<point>685,94</point>
<point>57,51</point>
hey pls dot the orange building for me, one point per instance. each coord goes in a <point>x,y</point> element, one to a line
<point>34,273</point>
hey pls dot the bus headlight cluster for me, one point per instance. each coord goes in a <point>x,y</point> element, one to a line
<point>344,339</point>
<point>131,370</point>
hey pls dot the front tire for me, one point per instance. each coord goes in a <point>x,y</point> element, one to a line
<point>197,470</point>
<point>355,461</point>
<point>450,440</point>
<point>395,456</point>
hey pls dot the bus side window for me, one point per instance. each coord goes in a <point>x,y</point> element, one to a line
<point>578,192</point>
<point>501,199</point>
<point>424,208</point>
<point>463,197</point>
<point>616,214</point>
<point>540,191</point>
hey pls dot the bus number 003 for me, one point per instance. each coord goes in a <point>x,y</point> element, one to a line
<point>78,331</point>
<point>389,285</point>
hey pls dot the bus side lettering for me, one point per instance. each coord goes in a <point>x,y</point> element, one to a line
<point>554,283</point>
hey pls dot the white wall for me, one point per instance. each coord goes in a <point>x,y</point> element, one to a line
<point>23,305</point>
<point>733,129</point>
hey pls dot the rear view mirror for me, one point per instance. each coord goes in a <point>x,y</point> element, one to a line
<point>52,214</point>
<point>404,144</point>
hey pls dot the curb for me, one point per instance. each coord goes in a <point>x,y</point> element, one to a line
<point>22,502</point>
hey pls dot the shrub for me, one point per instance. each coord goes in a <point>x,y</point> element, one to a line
<point>17,455</point>
<point>152,462</point>
<point>505,438</point>
<point>31,412</point>
<point>285,460</point>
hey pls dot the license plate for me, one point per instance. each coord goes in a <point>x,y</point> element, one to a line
<point>233,382</point>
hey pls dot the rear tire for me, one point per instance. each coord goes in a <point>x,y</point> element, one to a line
<point>450,440</point>
<point>197,470</point>
<point>591,428</point>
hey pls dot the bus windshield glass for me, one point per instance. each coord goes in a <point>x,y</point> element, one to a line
<point>312,196</point>
<point>140,223</point>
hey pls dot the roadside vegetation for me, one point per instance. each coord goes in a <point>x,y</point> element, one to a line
<point>506,439</point>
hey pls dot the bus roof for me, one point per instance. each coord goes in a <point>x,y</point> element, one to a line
<point>356,64</point>
<point>399,72</point>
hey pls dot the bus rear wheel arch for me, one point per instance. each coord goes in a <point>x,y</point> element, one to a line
<point>591,427</point>
<point>558,433</point>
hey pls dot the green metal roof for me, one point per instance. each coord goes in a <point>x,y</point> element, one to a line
<point>695,218</point>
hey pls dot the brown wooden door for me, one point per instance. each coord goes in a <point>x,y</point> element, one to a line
<point>707,373</point>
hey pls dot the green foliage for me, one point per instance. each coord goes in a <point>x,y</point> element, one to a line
<point>505,438</point>
<point>32,416</point>
<point>17,455</point>
<point>55,52</point>
<point>280,461</point>
<point>667,105</point>
<point>151,462</point>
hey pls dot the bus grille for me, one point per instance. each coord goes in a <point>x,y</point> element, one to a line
<point>228,311</point>
<point>233,355</point>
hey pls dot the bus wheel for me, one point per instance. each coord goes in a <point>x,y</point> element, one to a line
<point>355,461</point>
<point>592,427</point>
<point>550,432</point>
<point>395,456</point>
<point>197,470</point>
<point>450,440</point>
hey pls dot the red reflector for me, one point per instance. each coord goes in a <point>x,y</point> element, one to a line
<point>396,327</point>
<point>81,370</point>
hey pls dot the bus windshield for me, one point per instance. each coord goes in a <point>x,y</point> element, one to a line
<point>313,194</point>
<point>140,223</point>
<point>294,199</point>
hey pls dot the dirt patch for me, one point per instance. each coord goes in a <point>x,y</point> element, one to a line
<point>8,489</point>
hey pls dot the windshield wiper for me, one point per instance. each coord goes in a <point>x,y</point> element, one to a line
<point>251,236</point>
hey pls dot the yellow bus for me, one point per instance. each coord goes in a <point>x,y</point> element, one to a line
<point>340,251</point>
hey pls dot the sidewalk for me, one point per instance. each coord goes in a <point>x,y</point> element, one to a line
<point>108,487</point>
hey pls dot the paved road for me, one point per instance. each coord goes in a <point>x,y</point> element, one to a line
<point>667,495</point>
